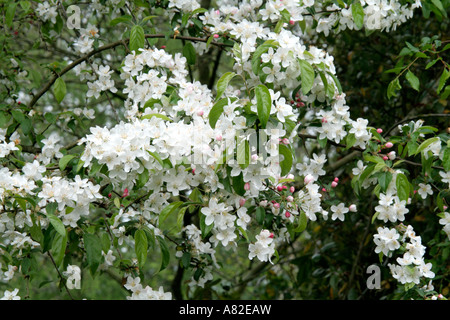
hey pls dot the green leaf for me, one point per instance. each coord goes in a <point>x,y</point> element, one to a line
<point>444,76</point>
<point>93,247</point>
<point>393,87</point>
<point>302,222</point>
<point>137,38</point>
<point>238,184</point>
<point>438,4</point>
<point>413,80</point>
<point>57,224</point>
<point>65,160</point>
<point>263,104</point>
<point>189,53</point>
<point>223,82</point>
<point>168,210</point>
<point>10,12</point>
<point>123,19</point>
<point>58,249</point>
<point>140,247</point>
<point>164,252</point>
<point>286,163</point>
<point>260,215</point>
<point>358,14</point>
<point>180,218</point>
<point>402,185</point>
<point>384,180</point>
<point>446,159</point>
<point>425,144</point>
<point>59,89</point>
<point>217,110</point>
<point>307,75</point>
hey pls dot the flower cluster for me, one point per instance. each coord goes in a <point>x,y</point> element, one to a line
<point>264,247</point>
<point>411,266</point>
<point>139,292</point>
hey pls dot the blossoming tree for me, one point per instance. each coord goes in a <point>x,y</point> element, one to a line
<point>188,150</point>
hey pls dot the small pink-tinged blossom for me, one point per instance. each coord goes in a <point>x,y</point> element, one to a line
<point>242,202</point>
<point>254,157</point>
<point>291,22</point>
<point>200,113</point>
<point>290,176</point>
<point>445,208</point>
<point>217,12</point>
<point>389,145</point>
<point>334,184</point>
<point>290,198</point>
<point>391,155</point>
<point>324,120</point>
<point>125,193</point>
<point>385,158</point>
<point>247,186</point>
<point>219,137</point>
<point>285,141</point>
<point>352,208</point>
<point>379,130</point>
<point>263,203</point>
<point>309,178</point>
<point>276,205</point>
<point>292,189</point>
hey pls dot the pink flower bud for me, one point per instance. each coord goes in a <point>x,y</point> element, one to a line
<point>285,141</point>
<point>200,113</point>
<point>324,120</point>
<point>290,198</point>
<point>217,12</point>
<point>445,208</point>
<point>109,195</point>
<point>292,189</point>
<point>193,170</point>
<point>163,47</point>
<point>276,205</point>
<point>242,202</point>
<point>389,145</point>
<point>385,158</point>
<point>379,130</point>
<point>125,193</point>
<point>336,179</point>
<point>216,36</point>
<point>284,187</point>
<point>271,235</point>
<point>254,157</point>
<point>391,155</point>
<point>247,186</point>
<point>287,214</point>
<point>352,208</point>
<point>219,137</point>
<point>291,22</point>
<point>309,178</point>
<point>324,190</point>
<point>334,184</point>
<point>279,188</point>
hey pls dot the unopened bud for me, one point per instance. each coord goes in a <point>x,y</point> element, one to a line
<point>352,208</point>
<point>309,178</point>
<point>247,186</point>
<point>242,202</point>
<point>290,198</point>
<point>334,184</point>
<point>292,189</point>
<point>389,145</point>
<point>287,214</point>
<point>379,130</point>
